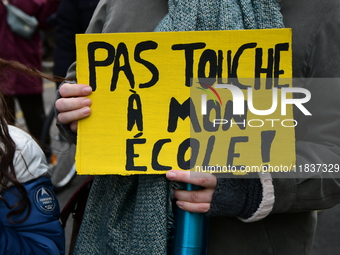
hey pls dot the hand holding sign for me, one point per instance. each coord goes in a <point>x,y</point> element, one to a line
<point>74,105</point>
<point>193,201</point>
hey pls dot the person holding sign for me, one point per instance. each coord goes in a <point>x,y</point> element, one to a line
<point>270,213</point>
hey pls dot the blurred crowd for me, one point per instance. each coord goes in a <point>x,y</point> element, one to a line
<point>52,46</point>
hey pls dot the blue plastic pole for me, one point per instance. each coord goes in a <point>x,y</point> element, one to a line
<point>190,231</point>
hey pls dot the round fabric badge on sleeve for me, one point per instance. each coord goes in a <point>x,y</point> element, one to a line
<point>45,200</point>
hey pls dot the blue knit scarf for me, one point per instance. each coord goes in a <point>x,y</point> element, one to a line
<point>132,214</point>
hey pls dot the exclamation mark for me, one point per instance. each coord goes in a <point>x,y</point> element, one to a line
<point>267,139</point>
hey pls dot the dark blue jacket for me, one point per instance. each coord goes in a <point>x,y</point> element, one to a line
<point>41,232</point>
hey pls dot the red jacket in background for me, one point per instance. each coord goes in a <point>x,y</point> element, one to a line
<point>28,52</point>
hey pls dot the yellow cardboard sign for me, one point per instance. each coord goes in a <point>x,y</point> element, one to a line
<point>165,100</point>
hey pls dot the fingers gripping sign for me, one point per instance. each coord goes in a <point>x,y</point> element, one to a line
<point>74,105</point>
<point>197,200</point>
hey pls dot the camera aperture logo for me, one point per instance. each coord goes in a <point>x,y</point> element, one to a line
<point>240,105</point>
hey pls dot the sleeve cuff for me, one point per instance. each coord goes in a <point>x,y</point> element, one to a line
<point>268,199</point>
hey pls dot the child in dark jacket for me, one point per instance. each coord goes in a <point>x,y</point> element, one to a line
<point>29,210</point>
